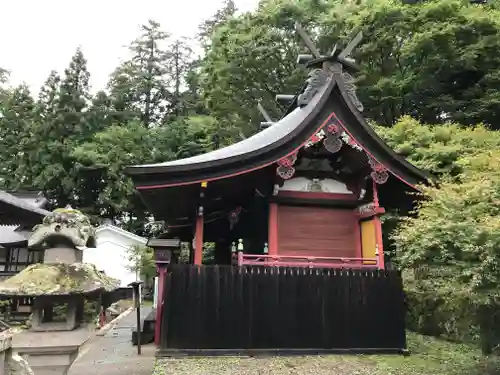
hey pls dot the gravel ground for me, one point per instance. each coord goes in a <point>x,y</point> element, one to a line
<point>318,365</point>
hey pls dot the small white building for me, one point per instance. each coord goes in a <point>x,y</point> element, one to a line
<point>111,252</point>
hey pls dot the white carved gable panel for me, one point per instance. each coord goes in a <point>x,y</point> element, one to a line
<point>326,185</point>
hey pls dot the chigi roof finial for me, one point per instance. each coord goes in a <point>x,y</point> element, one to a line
<point>336,55</point>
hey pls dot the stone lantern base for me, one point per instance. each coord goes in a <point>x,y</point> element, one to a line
<point>50,353</point>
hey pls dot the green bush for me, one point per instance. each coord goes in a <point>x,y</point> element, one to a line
<point>433,315</point>
<point>453,317</point>
<point>487,366</point>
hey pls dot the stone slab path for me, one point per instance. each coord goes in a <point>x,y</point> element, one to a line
<point>113,353</point>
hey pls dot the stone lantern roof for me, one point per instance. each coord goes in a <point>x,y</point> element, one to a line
<point>58,279</point>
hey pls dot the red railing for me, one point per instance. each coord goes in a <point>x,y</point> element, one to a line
<point>306,261</point>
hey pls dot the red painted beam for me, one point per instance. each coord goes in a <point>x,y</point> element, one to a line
<point>308,261</point>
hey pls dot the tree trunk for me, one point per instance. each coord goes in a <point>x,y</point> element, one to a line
<point>485,320</point>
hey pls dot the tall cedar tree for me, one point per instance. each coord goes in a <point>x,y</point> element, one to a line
<point>17,113</point>
<point>61,125</point>
<point>139,88</point>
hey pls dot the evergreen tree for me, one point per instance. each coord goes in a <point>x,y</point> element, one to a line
<point>180,64</point>
<point>139,87</point>
<point>60,126</point>
<point>208,27</point>
<point>16,119</point>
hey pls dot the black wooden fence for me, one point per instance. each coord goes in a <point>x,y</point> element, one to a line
<point>225,307</point>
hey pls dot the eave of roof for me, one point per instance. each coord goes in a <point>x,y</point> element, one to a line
<point>256,152</point>
<point>16,211</point>
<point>10,235</point>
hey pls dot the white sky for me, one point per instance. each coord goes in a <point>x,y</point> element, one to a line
<point>41,35</point>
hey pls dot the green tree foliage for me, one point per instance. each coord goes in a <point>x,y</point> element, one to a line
<point>105,155</point>
<point>251,58</point>
<point>457,229</point>
<point>141,262</point>
<point>435,60</point>
<point>149,87</point>
<point>451,242</point>
<point>438,149</point>
<point>17,114</point>
<point>60,126</point>
<point>139,87</point>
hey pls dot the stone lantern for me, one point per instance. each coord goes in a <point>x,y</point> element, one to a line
<point>59,287</point>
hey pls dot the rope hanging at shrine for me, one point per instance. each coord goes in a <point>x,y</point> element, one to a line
<point>333,135</point>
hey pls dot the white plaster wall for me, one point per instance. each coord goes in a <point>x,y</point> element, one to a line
<point>110,256</point>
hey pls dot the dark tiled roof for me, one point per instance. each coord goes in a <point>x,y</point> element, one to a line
<point>19,211</point>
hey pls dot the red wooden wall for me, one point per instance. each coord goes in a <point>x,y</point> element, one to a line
<point>315,231</point>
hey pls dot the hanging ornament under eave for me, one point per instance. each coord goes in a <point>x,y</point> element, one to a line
<point>380,177</point>
<point>332,144</point>
<point>379,172</point>
<point>285,173</point>
<point>285,166</point>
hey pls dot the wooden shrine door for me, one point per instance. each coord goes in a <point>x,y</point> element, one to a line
<point>317,231</point>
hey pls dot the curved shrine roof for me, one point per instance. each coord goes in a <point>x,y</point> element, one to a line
<point>330,103</point>
<point>282,132</point>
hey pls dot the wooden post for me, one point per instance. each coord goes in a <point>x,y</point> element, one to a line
<point>378,229</point>
<point>136,285</point>
<point>198,238</point>
<point>159,303</point>
<point>198,234</point>
<point>273,229</point>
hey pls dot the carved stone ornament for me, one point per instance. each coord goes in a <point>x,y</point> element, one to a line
<point>350,89</point>
<point>317,79</point>
<point>64,224</point>
<point>285,166</point>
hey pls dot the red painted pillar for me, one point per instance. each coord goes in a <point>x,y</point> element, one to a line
<point>378,229</point>
<point>198,238</point>
<point>273,229</point>
<point>159,303</point>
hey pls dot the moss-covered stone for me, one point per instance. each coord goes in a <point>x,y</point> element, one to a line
<point>58,279</point>
<point>63,224</point>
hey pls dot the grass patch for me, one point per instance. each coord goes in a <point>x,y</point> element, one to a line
<point>429,356</point>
